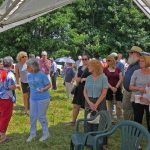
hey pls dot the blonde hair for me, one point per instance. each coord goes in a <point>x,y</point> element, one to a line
<point>147,60</point>
<point>96,66</point>
<point>21,54</point>
<point>113,61</point>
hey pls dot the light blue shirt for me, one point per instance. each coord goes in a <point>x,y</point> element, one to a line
<point>37,81</point>
<point>53,67</point>
<point>94,87</point>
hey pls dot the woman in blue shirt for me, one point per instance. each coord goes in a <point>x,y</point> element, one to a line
<point>95,90</point>
<point>39,99</point>
<point>96,86</point>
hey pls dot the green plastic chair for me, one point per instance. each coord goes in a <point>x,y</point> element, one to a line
<point>132,134</point>
<point>80,139</point>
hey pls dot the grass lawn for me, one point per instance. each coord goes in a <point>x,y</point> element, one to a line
<point>59,112</point>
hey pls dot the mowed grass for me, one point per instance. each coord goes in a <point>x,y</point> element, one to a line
<point>59,112</point>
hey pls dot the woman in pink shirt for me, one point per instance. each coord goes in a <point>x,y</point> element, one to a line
<point>45,64</point>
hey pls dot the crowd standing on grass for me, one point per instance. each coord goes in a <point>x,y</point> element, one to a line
<point>120,86</point>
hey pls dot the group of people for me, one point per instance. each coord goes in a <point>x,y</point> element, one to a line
<point>98,86</point>
<point>35,75</point>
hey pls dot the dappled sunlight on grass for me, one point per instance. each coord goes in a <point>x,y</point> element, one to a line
<point>59,112</point>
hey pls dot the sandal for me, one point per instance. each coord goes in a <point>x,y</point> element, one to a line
<point>2,138</point>
<point>71,123</point>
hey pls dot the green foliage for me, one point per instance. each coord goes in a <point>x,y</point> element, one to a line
<point>96,27</point>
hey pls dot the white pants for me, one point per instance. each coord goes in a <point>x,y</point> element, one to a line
<point>69,87</point>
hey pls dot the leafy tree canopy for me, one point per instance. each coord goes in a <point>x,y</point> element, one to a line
<point>96,27</point>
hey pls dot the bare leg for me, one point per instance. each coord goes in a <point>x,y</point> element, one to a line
<point>109,106</point>
<point>26,102</point>
<point>119,110</point>
<point>75,112</point>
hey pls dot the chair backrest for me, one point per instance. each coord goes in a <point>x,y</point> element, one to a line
<point>105,121</point>
<point>132,134</point>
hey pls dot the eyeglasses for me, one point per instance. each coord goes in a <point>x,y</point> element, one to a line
<point>24,57</point>
<point>85,59</point>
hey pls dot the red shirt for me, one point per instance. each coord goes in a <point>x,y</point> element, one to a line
<point>113,77</point>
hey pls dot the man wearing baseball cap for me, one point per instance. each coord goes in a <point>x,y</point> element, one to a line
<point>133,60</point>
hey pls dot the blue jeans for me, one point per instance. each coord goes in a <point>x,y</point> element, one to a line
<point>38,111</point>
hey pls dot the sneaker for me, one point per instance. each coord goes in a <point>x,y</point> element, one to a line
<point>44,137</point>
<point>30,138</point>
<point>139,148</point>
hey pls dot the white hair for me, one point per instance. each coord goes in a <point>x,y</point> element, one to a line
<point>7,61</point>
<point>34,64</point>
<point>44,53</point>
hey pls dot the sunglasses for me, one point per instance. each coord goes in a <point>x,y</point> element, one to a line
<point>24,57</point>
<point>108,60</point>
<point>85,59</point>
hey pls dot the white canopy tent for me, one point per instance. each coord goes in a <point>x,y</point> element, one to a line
<point>144,5</point>
<point>17,12</point>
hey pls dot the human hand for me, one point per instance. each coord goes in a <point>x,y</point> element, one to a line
<point>40,90</point>
<point>83,79</point>
<point>114,89</point>
<point>148,84</point>
<point>142,89</point>
<point>92,106</point>
<point>144,100</point>
<point>18,87</point>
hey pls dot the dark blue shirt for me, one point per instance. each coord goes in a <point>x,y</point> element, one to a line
<point>69,74</point>
<point>120,65</point>
<point>129,74</point>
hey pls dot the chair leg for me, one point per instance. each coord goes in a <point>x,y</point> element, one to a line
<point>71,146</point>
<point>79,147</point>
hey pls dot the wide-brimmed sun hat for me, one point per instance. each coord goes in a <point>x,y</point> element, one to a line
<point>135,49</point>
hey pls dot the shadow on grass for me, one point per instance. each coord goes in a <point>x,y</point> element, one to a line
<point>59,140</point>
<point>18,110</point>
<point>18,107</point>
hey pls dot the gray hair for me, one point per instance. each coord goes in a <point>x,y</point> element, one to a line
<point>7,61</point>
<point>34,64</point>
<point>44,53</point>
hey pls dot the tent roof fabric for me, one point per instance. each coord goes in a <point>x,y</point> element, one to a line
<point>144,5</point>
<point>17,12</point>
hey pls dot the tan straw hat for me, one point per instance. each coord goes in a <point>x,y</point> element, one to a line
<point>135,49</point>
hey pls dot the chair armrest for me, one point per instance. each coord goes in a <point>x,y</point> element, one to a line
<point>93,132</point>
<point>102,135</point>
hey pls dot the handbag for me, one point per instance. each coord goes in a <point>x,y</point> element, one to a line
<point>74,89</point>
<point>95,116</point>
